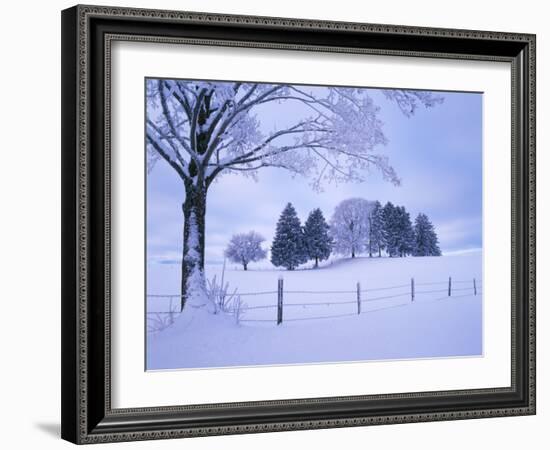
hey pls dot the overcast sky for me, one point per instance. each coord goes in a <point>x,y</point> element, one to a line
<point>437,153</point>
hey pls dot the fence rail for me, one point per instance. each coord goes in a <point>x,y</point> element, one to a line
<point>360,298</point>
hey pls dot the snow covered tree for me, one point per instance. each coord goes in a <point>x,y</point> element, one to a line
<point>376,230</point>
<point>405,233</point>
<point>349,226</point>
<point>426,242</point>
<point>204,129</point>
<point>288,249</point>
<point>245,248</point>
<point>397,232</point>
<point>317,240</point>
<point>390,229</point>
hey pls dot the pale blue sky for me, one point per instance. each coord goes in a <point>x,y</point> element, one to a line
<point>437,153</point>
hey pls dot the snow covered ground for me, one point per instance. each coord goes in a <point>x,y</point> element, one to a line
<point>325,327</point>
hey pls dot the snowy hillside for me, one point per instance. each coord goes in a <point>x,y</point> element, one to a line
<point>320,314</point>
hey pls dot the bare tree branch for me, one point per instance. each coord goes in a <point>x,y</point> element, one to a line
<point>342,134</point>
<point>159,148</point>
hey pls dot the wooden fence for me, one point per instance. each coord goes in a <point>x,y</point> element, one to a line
<point>409,291</point>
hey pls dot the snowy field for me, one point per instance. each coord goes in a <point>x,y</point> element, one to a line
<point>324,326</point>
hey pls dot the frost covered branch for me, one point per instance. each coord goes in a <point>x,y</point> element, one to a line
<point>223,299</point>
<point>214,127</point>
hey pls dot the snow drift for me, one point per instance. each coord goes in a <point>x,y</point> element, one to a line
<point>321,324</point>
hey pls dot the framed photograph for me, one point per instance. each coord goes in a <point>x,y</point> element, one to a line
<point>278,224</point>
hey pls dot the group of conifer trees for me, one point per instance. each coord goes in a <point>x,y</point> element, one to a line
<point>357,226</point>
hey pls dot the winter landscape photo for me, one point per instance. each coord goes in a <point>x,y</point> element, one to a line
<point>305,224</point>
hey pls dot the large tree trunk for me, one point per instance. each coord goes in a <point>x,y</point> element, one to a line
<point>192,265</point>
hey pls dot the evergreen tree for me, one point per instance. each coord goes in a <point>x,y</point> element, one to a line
<point>397,232</point>
<point>317,241</point>
<point>288,249</point>
<point>376,230</point>
<point>425,237</point>
<point>390,230</point>
<point>405,233</point>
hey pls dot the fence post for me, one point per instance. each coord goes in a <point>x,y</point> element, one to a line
<point>280,301</point>
<point>278,298</point>
<point>358,298</point>
<point>475,288</point>
<point>412,289</point>
<point>449,286</point>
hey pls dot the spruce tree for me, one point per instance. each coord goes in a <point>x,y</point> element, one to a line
<point>376,230</point>
<point>390,230</point>
<point>288,249</point>
<point>318,243</point>
<point>404,232</point>
<point>425,237</point>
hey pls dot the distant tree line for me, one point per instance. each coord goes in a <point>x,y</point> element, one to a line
<point>357,226</point>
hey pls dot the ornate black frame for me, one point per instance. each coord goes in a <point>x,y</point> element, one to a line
<point>87,32</point>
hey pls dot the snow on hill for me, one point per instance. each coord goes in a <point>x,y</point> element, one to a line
<point>324,326</point>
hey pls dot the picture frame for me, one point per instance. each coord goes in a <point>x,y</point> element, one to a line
<point>88,415</point>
